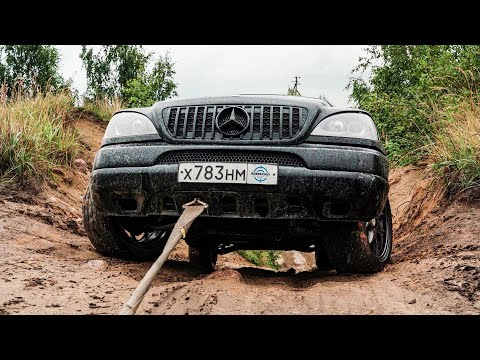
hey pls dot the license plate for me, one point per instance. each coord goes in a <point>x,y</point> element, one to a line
<point>228,173</point>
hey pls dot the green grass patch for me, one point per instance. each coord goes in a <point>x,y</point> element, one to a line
<point>456,147</point>
<point>35,135</point>
<point>102,108</point>
<point>261,257</point>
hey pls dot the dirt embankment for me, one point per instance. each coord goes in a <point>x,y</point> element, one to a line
<point>48,266</point>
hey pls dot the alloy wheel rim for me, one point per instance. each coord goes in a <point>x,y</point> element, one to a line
<point>147,238</point>
<point>379,237</point>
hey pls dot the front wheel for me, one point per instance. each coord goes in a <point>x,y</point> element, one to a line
<point>117,237</point>
<point>361,247</point>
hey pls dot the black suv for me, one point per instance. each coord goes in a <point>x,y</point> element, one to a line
<point>278,172</point>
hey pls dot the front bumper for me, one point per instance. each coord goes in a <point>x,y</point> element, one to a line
<point>336,183</point>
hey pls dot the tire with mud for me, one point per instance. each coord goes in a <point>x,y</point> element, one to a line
<point>205,258</point>
<point>361,247</point>
<point>112,238</point>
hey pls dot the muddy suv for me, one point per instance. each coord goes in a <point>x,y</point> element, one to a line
<point>278,172</point>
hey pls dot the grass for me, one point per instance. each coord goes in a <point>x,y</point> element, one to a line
<point>455,148</point>
<point>261,257</point>
<point>103,108</point>
<point>35,135</point>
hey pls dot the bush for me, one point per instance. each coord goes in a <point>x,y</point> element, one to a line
<point>261,257</point>
<point>35,135</point>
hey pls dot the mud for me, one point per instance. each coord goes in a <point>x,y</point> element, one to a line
<point>48,266</point>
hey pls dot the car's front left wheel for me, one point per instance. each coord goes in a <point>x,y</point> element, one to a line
<point>117,237</point>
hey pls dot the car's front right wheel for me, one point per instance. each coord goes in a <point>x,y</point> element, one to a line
<point>361,247</point>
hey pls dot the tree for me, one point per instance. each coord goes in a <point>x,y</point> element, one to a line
<point>30,68</point>
<point>123,71</point>
<point>157,85</point>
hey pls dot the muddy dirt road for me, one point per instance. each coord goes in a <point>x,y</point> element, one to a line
<point>47,265</point>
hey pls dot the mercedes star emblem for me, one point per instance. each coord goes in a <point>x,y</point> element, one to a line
<point>232,121</point>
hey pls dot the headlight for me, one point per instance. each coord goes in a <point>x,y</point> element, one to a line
<point>356,125</point>
<point>129,124</point>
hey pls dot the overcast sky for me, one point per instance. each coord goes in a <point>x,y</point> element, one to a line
<point>246,69</point>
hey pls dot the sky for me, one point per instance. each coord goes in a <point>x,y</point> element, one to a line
<point>207,70</point>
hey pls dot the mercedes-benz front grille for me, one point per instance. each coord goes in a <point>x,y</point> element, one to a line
<point>265,122</point>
